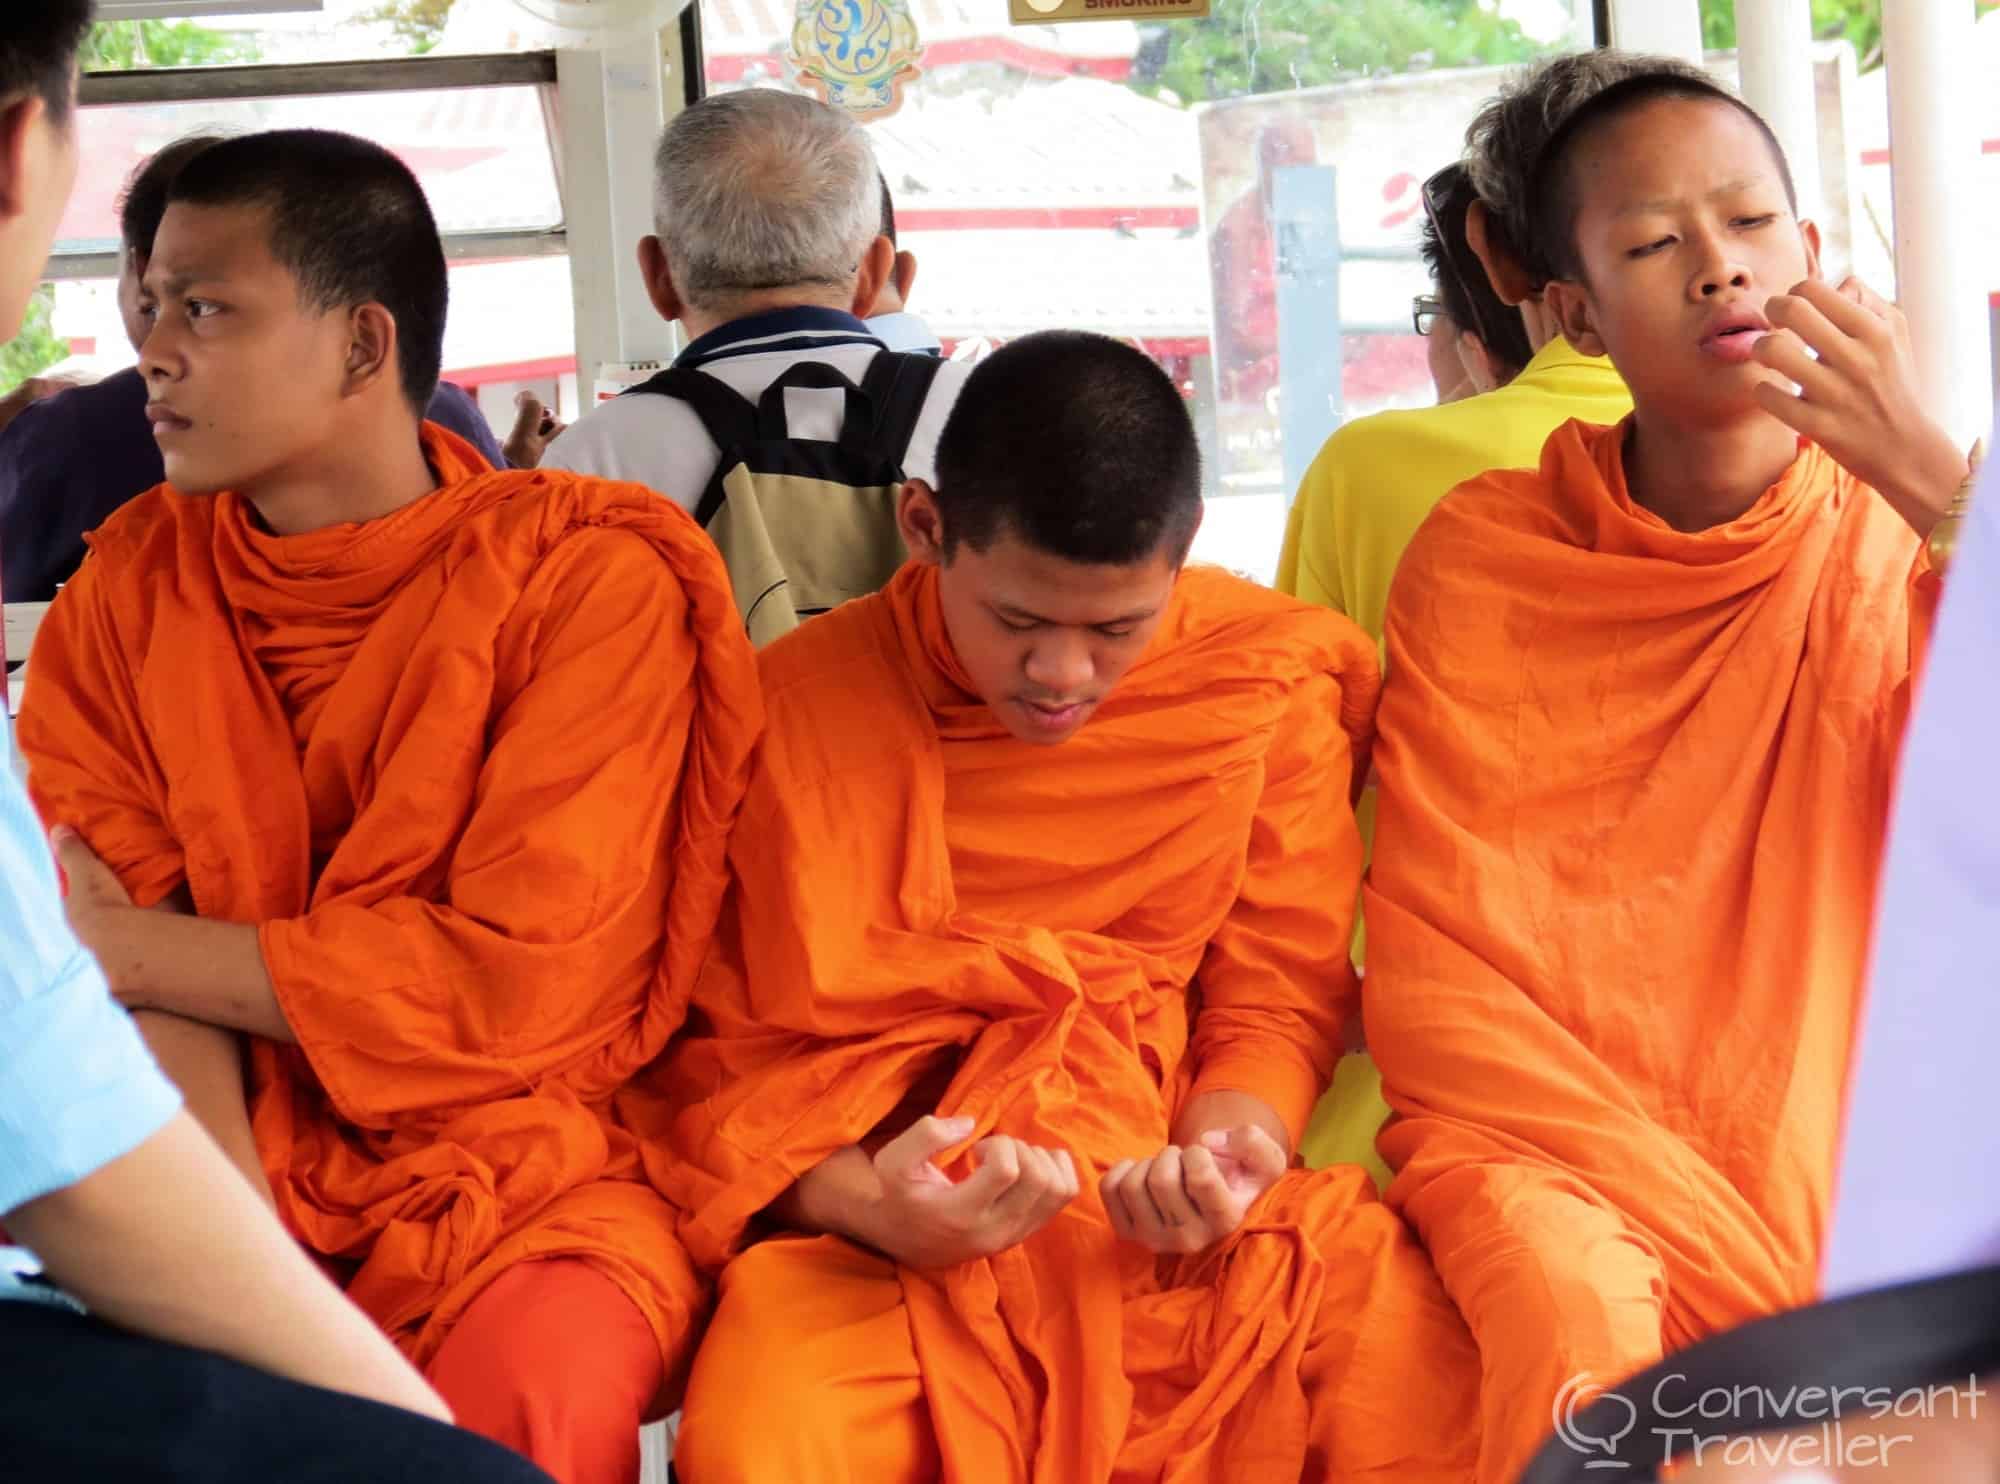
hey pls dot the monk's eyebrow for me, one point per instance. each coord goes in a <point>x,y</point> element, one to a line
<point>1021,615</point>
<point>1669,203</point>
<point>173,285</point>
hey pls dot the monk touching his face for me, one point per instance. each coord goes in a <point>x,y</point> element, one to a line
<point>429,769</point>
<point>1034,961</point>
<point>1635,762</point>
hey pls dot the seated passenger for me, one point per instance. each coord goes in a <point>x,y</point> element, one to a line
<point>1636,753</point>
<point>68,461</point>
<point>1378,477</point>
<point>1473,343</point>
<point>768,206</point>
<point>890,320</point>
<point>1033,962</point>
<point>428,770</point>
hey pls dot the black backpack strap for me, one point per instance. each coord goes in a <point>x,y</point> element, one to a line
<point>855,420</point>
<point>729,419</point>
<point>898,385</point>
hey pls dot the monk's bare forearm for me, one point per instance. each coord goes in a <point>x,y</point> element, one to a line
<point>206,1063</point>
<point>1223,1110</point>
<point>834,1197</point>
<point>194,967</point>
<point>1927,479</point>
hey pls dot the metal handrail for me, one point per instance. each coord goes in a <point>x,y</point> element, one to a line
<point>313,79</point>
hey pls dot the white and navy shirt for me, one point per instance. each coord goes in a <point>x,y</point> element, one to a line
<point>660,443</point>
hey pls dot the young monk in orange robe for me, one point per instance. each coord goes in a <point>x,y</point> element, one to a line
<point>1635,762</point>
<point>1033,965</point>
<point>444,760</point>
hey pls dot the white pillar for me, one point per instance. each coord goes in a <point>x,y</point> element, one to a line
<point>1775,64</point>
<point>1934,144</point>
<point>1665,27</point>
<point>612,102</point>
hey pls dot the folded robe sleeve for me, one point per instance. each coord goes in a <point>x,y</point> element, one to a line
<point>93,768</point>
<point>1276,983</point>
<point>484,983</point>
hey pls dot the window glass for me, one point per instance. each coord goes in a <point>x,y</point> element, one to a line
<point>1118,176</point>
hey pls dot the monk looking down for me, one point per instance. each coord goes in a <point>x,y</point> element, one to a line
<point>429,770</point>
<point>1033,963</point>
<point>1635,763</point>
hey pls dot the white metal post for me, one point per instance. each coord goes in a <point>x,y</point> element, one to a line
<point>1934,150</point>
<point>612,103</point>
<point>1664,27</point>
<point>1775,64</point>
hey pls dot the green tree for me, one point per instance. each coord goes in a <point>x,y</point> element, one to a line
<point>1856,21</point>
<point>1271,46</point>
<point>120,46</point>
<point>37,347</point>
<point>419,23</point>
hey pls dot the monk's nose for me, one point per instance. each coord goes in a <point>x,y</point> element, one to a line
<point>1060,665</point>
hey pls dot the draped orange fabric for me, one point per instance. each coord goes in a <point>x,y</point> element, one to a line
<point>1634,785</point>
<point>1077,938</point>
<point>472,768</point>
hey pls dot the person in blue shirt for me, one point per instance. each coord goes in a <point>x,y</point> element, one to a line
<point>71,458</point>
<point>158,1323</point>
<point>889,318</point>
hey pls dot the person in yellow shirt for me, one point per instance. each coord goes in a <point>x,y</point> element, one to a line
<point>1378,478</point>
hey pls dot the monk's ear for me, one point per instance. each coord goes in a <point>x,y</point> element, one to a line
<point>371,348</point>
<point>1568,303</point>
<point>1488,243</point>
<point>1809,233</point>
<point>921,522</point>
<point>660,286</point>
<point>16,125</point>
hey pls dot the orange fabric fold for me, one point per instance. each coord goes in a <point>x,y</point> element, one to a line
<point>472,768</point>
<point>1634,785</point>
<point>1077,938</point>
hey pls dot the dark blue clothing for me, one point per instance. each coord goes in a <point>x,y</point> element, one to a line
<point>70,460</point>
<point>80,1400</point>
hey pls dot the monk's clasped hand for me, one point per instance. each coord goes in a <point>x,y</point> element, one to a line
<point>1188,1197</point>
<point>1848,351</point>
<point>925,1219</point>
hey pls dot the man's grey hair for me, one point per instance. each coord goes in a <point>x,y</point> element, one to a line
<point>1505,142</point>
<point>762,189</point>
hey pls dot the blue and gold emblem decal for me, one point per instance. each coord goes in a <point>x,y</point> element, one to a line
<point>856,54</point>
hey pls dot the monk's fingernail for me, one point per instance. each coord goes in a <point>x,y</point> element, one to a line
<point>62,834</point>
<point>1216,1139</point>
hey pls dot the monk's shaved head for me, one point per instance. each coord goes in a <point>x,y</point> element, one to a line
<point>1078,445</point>
<point>1553,196</point>
<point>348,220</point>
<point>1513,131</point>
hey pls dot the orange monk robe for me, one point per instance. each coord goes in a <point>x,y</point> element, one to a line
<point>1633,792</point>
<point>1077,939</point>
<point>471,767</point>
